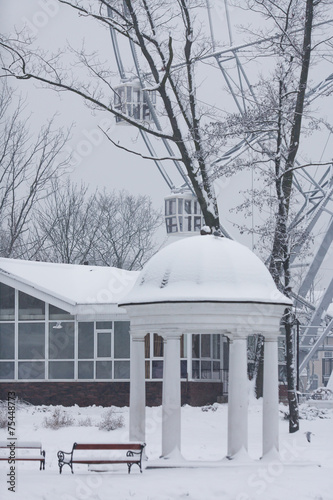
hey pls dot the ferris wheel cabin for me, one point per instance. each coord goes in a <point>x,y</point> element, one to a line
<point>131,100</point>
<point>182,214</point>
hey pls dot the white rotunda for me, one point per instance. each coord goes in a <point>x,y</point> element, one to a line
<point>206,284</point>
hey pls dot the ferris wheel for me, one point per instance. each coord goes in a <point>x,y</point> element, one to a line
<point>182,212</point>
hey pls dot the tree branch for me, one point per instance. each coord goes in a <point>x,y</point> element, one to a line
<point>162,158</point>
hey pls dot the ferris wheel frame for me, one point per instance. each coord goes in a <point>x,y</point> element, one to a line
<point>315,198</point>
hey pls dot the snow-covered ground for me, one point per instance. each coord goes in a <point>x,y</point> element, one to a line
<point>305,472</point>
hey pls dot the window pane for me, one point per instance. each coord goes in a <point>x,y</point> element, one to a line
<point>31,370</point>
<point>6,370</point>
<point>206,369</point>
<point>225,353</point>
<point>147,369</point>
<point>7,341</point>
<point>158,346</point>
<point>216,346</point>
<point>145,112</point>
<point>104,369</point>
<point>180,205</point>
<point>170,207</point>
<point>197,223</point>
<point>61,340</point>
<point>183,368</point>
<point>31,340</point>
<point>188,223</point>
<point>216,370</point>
<point>157,369</point>
<point>30,307</point>
<point>57,313</point>
<point>103,325</point>
<point>147,345</point>
<point>104,344</point>
<point>121,339</point>
<point>86,340</point>
<point>171,224</point>
<point>86,369</point>
<point>136,112</point>
<point>187,206</point>
<point>183,346</point>
<point>282,349</point>
<point>195,369</point>
<point>283,374</point>
<point>195,346</point>
<point>61,369</point>
<point>197,209</point>
<point>122,369</point>
<point>7,302</point>
<point>205,346</point>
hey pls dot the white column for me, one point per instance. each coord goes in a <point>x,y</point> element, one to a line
<point>171,398</point>
<point>270,436</point>
<point>137,414</point>
<point>238,396</point>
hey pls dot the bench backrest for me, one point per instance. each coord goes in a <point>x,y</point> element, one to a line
<point>108,446</point>
<point>21,444</point>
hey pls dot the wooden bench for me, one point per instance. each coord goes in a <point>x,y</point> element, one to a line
<point>22,450</point>
<point>133,455</point>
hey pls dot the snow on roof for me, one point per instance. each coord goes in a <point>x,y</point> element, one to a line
<point>74,284</point>
<point>205,268</point>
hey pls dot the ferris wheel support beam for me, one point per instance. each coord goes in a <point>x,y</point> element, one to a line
<point>319,313</point>
<point>316,345</point>
<point>251,44</point>
<point>317,261</point>
<point>116,50</point>
<point>316,197</point>
<point>160,167</point>
<point>314,219</point>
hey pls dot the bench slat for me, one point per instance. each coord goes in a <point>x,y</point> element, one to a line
<point>108,446</point>
<point>41,458</point>
<point>21,444</point>
<point>111,461</point>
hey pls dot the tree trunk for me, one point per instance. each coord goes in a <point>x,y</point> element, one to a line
<point>258,372</point>
<point>291,374</point>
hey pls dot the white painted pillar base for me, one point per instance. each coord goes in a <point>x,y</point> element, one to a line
<point>270,438</point>
<point>137,413</point>
<point>171,398</point>
<point>238,398</point>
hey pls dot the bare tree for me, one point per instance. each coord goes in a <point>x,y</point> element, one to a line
<point>170,63</point>
<point>106,229</point>
<point>27,167</point>
<point>66,224</point>
<point>126,229</point>
<point>280,115</point>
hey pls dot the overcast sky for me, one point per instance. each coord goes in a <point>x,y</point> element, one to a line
<point>96,161</point>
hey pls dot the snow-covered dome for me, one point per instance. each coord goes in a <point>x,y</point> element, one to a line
<point>205,269</point>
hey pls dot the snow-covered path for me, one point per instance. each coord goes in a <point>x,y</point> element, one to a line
<point>306,472</point>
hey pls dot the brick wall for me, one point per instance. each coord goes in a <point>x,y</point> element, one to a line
<point>105,393</point>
